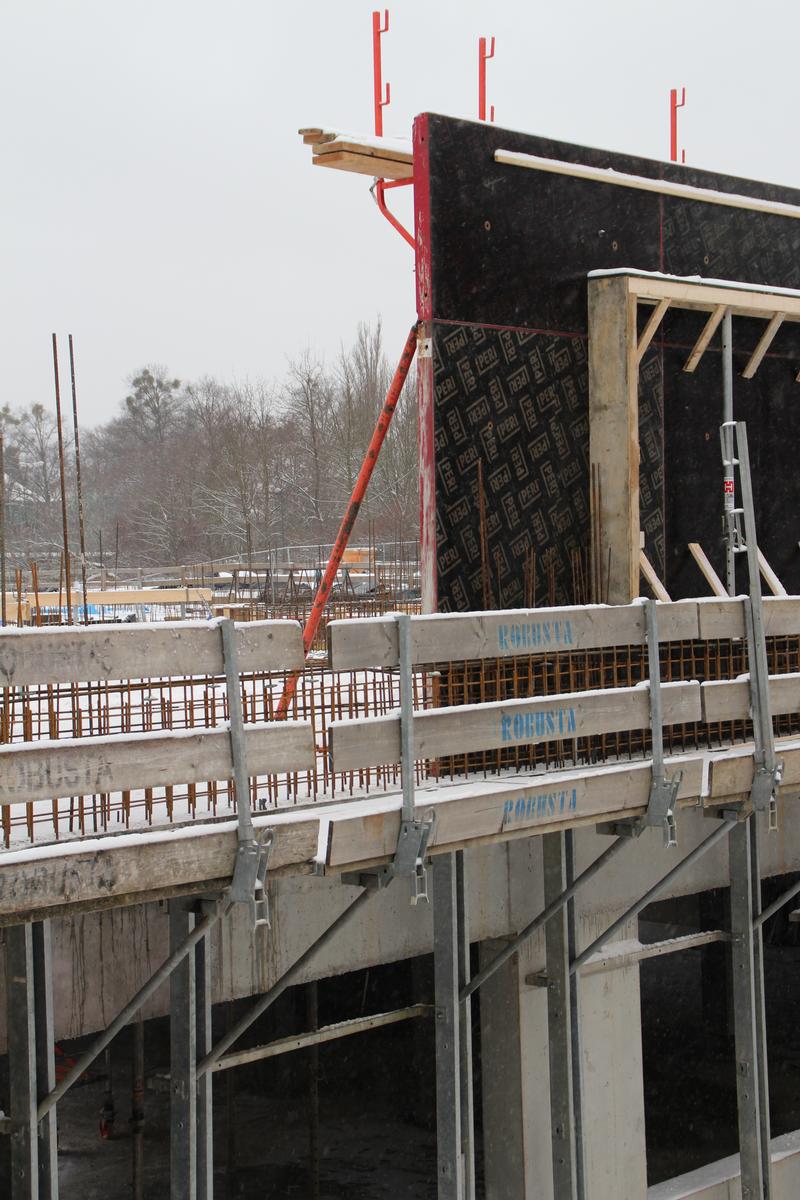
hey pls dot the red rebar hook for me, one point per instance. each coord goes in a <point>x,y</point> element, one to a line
<point>674,105</point>
<point>380,102</point>
<point>483,57</point>
<point>378,30</point>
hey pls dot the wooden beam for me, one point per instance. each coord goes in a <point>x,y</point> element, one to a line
<point>649,331</point>
<point>643,183</point>
<point>648,571</point>
<point>461,729</point>
<point>360,643</point>
<point>123,597</point>
<point>614,430</point>
<point>706,295</point>
<point>94,652</point>
<point>701,345</point>
<point>764,343</point>
<point>88,766</point>
<point>364,164</point>
<point>729,699</point>
<point>709,574</point>
<point>771,579</point>
<point>725,618</point>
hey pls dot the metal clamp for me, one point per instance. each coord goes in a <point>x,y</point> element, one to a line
<point>663,790</point>
<point>412,842</point>
<point>768,771</point>
<point>252,852</point>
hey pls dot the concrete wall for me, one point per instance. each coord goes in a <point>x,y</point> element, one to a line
<point>721,1181</point>
<point>101,958</point>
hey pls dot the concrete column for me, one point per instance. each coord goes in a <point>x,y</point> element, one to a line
<point>515,1052</point>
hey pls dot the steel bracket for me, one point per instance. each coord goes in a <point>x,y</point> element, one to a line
<point>663,790</point>
<point>249,884</point>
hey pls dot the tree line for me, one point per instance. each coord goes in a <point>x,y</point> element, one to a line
<point>189,472</point>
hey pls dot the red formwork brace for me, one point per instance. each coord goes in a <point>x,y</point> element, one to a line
<point>351,513</point>
<point>380,101</point>
<point>483,57</point>
<point>674,105</point>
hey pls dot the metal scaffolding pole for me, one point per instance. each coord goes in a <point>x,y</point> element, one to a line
<point>45,1057</point>
<point>205,1108</point>
<point>538,921</point>
<point>748,1018</point>
<point>465,1028</point>
<point>449,1148</point>
<point>21,1027</point>
<point>559,1022</point>
<point>183,1060</point>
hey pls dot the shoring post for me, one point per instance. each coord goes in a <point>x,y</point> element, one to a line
<point>465,1028</point>
<point>205,1106</point>
<point>748,1035</point>
<point>559,1020</point>
<point>449,1156</point>
<point>22,1074</point>
<point>137,1111</point>
<point>45,1057</point>
<point>183,1060</point>
<point>575,1022</point>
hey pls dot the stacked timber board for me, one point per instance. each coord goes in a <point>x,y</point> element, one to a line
<point>384,157</point>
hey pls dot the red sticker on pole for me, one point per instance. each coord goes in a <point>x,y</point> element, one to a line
<point>728,487</point>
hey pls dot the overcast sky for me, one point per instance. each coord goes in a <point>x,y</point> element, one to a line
<point>158,204</point>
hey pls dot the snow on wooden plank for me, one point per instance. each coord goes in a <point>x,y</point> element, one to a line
<point>730,773</point>
<point>128,869</point>
<point>357,644</point>
<point>725,618</point>
<point>92,765</point>
<point>92,652</point>
<point>729,699</point>
<point>498,808</point>
<point>463,729</point>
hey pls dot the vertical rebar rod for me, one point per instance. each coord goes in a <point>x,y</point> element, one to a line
<point>2,529</point>
<point>65,530</point>
<point>81,531</point>
<point>728,467</point>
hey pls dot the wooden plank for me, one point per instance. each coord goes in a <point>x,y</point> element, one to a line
<point>770,578</point>
<point>729,699</point>
<point>90,765</point>
<point>725,618</point>
<point>360,643</point>
<point>730,773</point>
<point>707,296</point>
<point>701,345</point>
<point>614,430</point>
<point>94,652</point>
<point>495,807</point>
<point>649,331</point>
<point>709,574</point>
<point>764,343</point>
<point>122,597</point>
<point>648,571</point>
<point>116,868</point>
<point>505,723</point>
<point>364,164</point>
<point>346,145</point>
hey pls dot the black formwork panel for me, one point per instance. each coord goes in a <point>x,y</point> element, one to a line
<point>509,253</point>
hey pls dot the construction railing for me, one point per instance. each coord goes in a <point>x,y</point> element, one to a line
<point>116,727</point>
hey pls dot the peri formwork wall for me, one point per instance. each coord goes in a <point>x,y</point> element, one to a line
<point>503,255</point>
